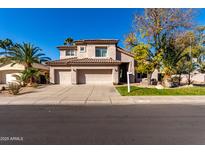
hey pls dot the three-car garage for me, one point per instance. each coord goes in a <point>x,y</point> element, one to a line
<point>73,71</point>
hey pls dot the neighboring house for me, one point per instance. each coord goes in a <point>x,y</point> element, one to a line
<point>8,72</point>
<point>98,61</point>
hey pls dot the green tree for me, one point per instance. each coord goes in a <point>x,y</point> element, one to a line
<point>6,45</point>
<point>28,76</point>
<point>181,67</point>
<point>155,27</point>
<point>155,23</point>
<point>144,58</point>
<point>200,55</point>
<point>175,49</point>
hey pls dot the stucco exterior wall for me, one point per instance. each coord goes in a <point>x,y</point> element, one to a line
<point>127,59</point>
<point>90,51</point>
<point>20,67</point>
<point>80,54</point>
<point>62,54</point>
<point>111,51</point>
<point>14,67</point>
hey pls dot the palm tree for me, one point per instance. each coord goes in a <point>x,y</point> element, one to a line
<point>25,54</point>
<point>6,44</point>
<point>68,41</point>
<point>28,76</point>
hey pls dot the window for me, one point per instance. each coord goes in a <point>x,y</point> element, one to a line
<point>82,49</point>
<point>101,52</point>
<point>70,53</point>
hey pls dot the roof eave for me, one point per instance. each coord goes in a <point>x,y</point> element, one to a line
<point>125,52</point>
<point>67,47</point>
<point>83,64</point>
<point>81,42</point>
<point>95,64</point>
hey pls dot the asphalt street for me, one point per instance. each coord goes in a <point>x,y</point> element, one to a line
<point>103,124</point>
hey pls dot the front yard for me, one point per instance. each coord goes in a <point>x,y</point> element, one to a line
<point>141,91</point>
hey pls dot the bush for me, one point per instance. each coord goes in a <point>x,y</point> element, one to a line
<point>175,79</point>
<point>153,82</point>
<point>14,88</point>
<point>35,85</point>
<point>3,88</point>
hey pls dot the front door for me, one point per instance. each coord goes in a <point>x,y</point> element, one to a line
<point>123,72</point>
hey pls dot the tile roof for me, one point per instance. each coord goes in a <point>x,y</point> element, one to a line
<point>96,41</point>
<point>40,66</point>
<point>79,61</point>
<point>65,47</point>
<point>125,52</point>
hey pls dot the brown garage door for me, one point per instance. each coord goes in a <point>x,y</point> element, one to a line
<point>95,76</point>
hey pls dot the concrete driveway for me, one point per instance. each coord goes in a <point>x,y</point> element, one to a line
<point>73,95</point>
<point>90,95</point>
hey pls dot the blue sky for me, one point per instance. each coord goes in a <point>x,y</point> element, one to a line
<point>47,28</point>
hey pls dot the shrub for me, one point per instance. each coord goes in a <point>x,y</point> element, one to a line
<point>3,88</point>
<point>28,77</point>
<point>35,85</point>
<point>153,82</point>
<point>14,88</point>
<point>175,79</point>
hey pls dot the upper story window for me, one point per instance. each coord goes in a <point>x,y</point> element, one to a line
<point>101,52</point>
<point>82,49</point>
<point>70,53</point>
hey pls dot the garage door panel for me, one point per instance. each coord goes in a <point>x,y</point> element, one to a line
<point>63,77</point>
<point>95,76</point>
<point>8,76</point>
<point>11,77</point>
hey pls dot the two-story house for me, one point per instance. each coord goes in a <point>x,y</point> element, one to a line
<point>98,61</point>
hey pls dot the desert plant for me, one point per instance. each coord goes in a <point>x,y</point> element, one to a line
<point>28,77</point>
<point>14,88</point>
<point>26,54</point>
